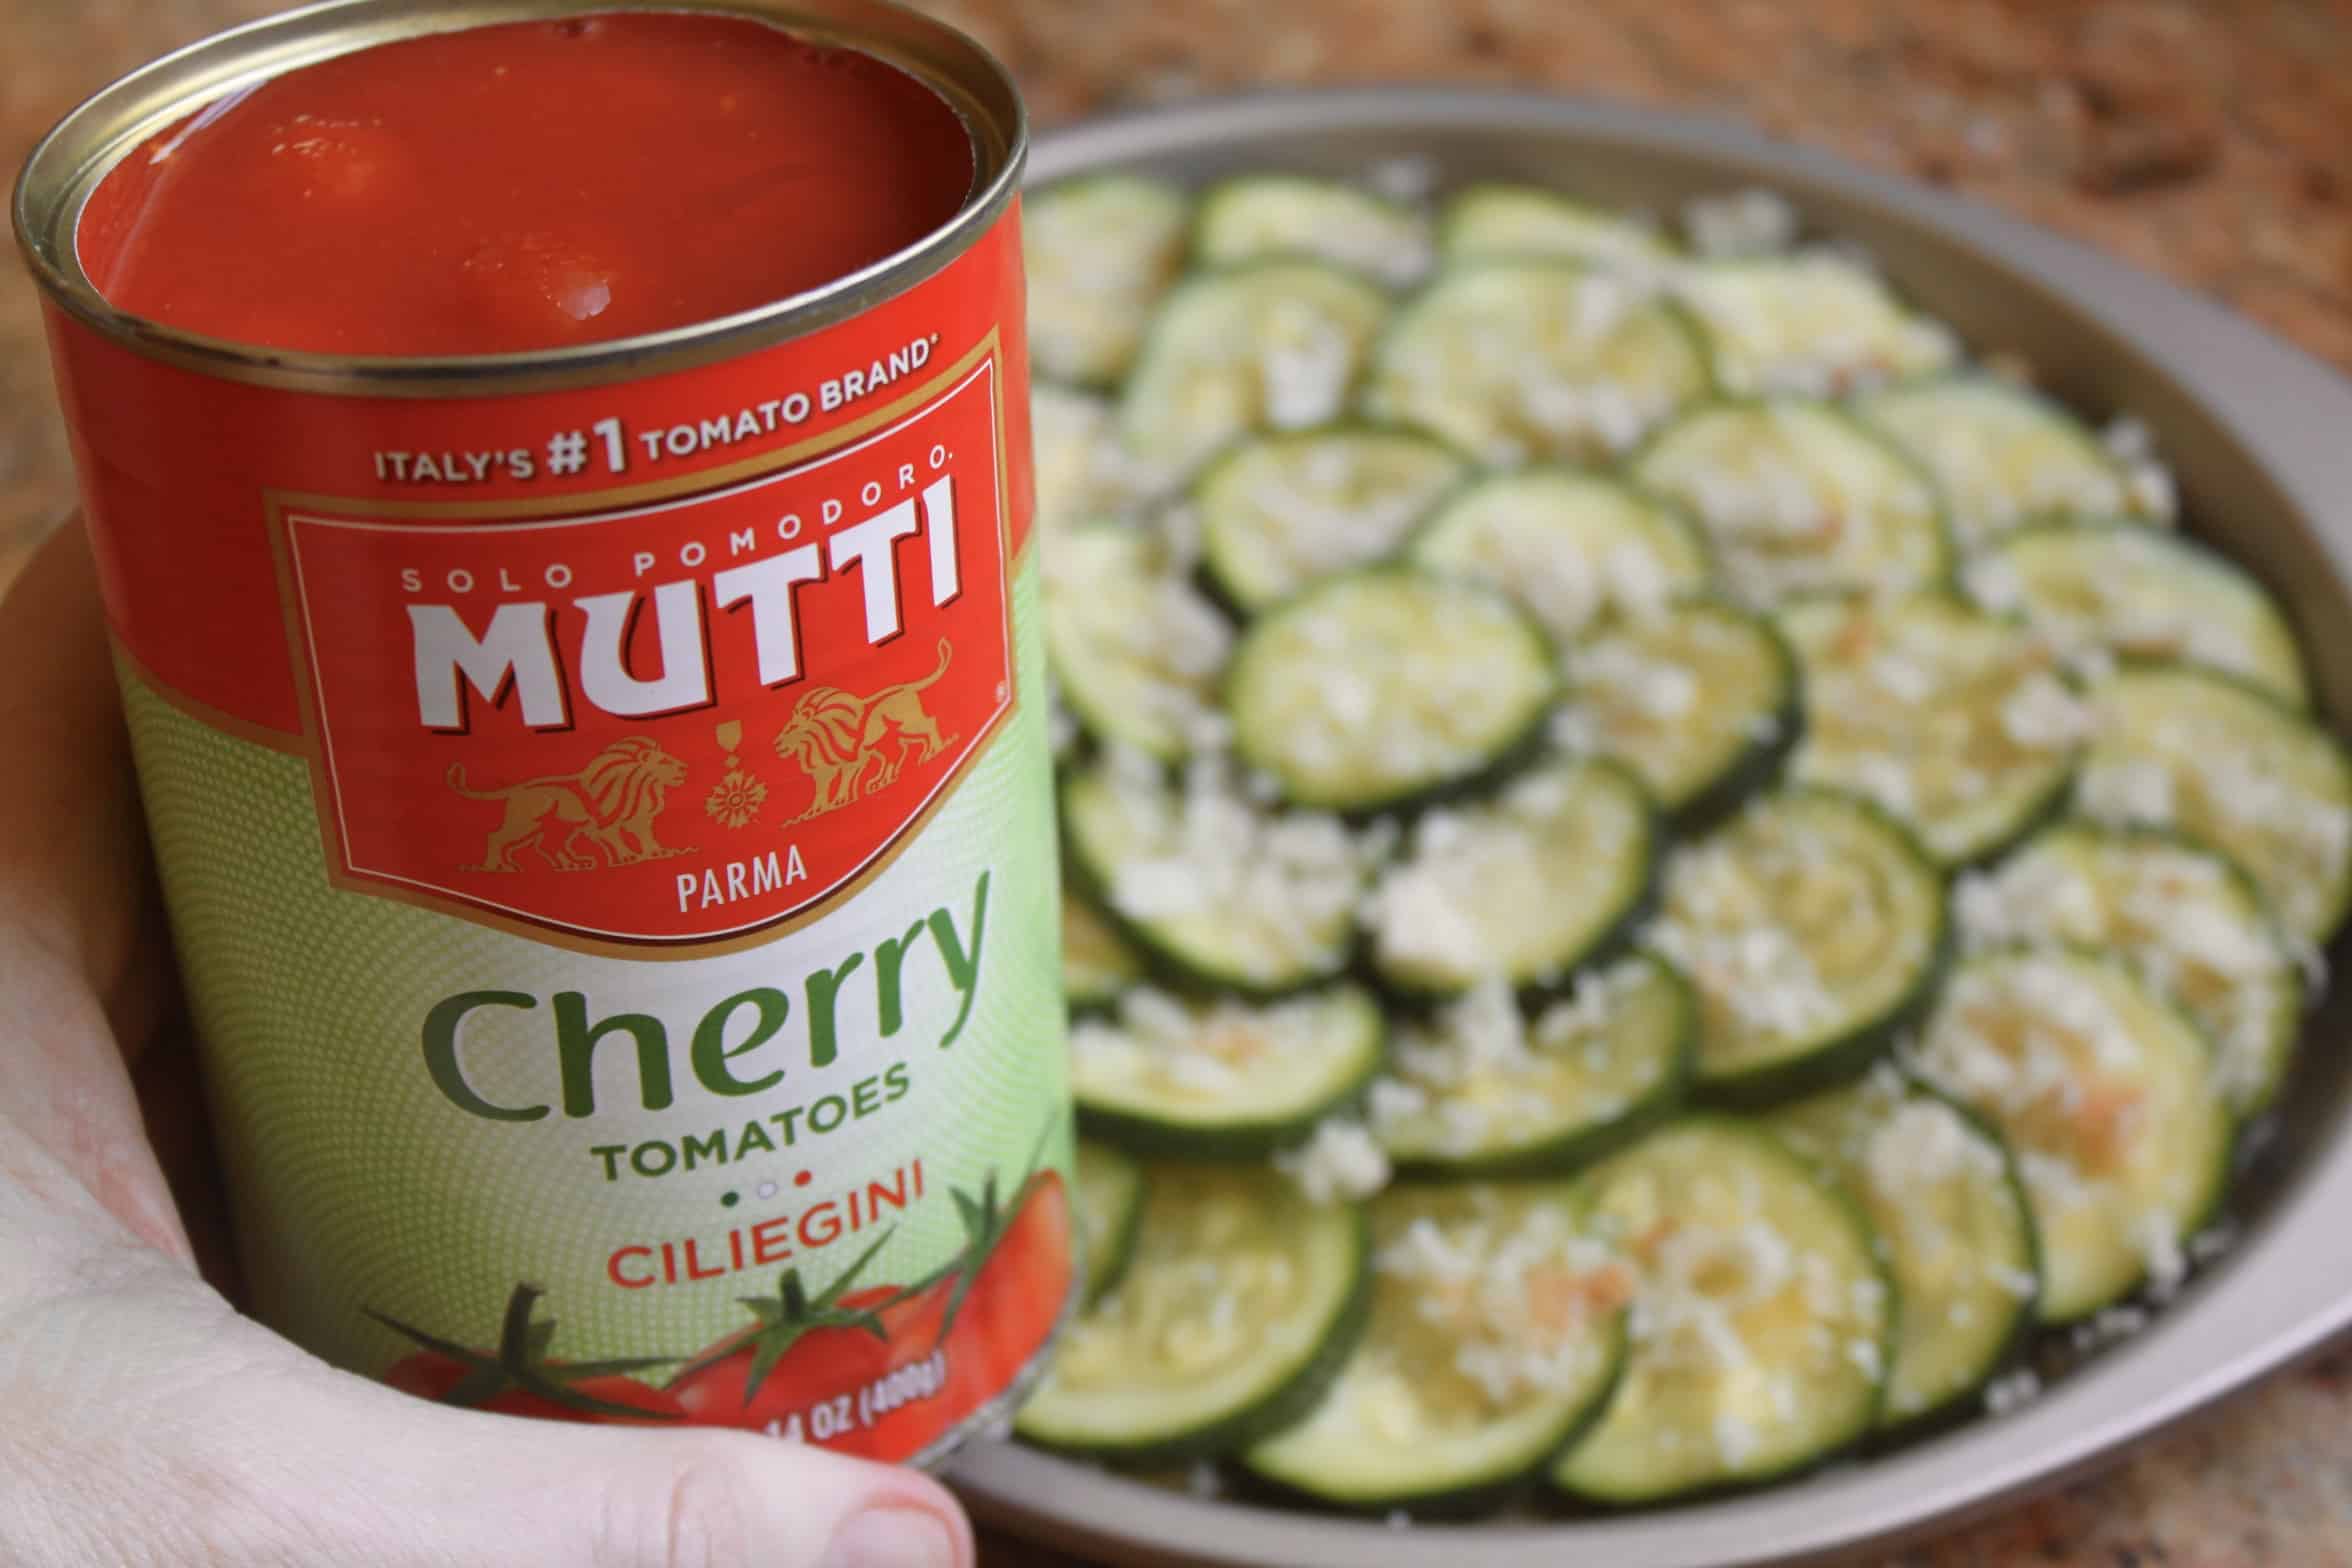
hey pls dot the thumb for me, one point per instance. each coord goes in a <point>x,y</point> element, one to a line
<point>252,1453</point>
<point>429,1484</point>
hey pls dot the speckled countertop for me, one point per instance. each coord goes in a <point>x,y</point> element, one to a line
<point>2209,141</point>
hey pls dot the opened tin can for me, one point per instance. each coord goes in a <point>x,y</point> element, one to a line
<point>602,799</point>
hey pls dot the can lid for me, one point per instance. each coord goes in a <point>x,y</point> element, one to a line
<point>70,162</point>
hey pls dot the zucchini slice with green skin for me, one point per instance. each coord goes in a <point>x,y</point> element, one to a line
<point>1097,963</point>
<point>1100,252</point>
<point>2136,592</point>
<point>1136,651</point>
<point>1387,686</point>
<point>1272,345</point>
<point>1800,498</point>
<point>1497,1332</point>
<point>1813,927</point>
<point>2104,1090</point>
<point>1761,1320</point>
<point>1110,1212</point>
<point>1702,702</point>
<point>1255,216</point>
<point>2185,748</point>
<point>1211,887</point>
<point>1572,547</point>
<point>1521,888</point>
<point>1486,1089</point>
<point>1081,474</point>
<point>1222,1080</point>
<point>1955,721</point>
<point>1279,512</point>
<point>1953,1226</point>
<point>1241,1301</point>
<point>2179,915</point>
<point>1520,360</point>
<point>2004,455</point>
<point>1497,221</point>
<point>1810,323</point>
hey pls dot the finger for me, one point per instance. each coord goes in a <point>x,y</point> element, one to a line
<point>171,1100</point>
<point>75,892</point>
<point>252,1454</point>
<point>74,869</point>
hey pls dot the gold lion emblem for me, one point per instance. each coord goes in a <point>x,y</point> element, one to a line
<point>841,740</point>
<point>608,807</point>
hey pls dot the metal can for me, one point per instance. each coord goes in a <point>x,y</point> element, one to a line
<point>536,991</point>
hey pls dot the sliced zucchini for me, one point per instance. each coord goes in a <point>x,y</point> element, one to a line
<point>1798,498</point>
<point>1136,652</point>
<point>1100,252</point>
<point>1956,722</point>
<point>1388,685</point>
<point>1812,926</point>
<point>2180,916</point>
<point>1496,221</point>
<point>1572,547</point>
<point>1811,323</point>
<point>1761,1322</point>
<point>1255,216</point>
<point>1483,1089</point>
<point>1281,511</point>
<point>1702,702</point>
<point>1081,474</point>
<point>2134,592</point>
<point>1497,1331</point>
<point>1241,1300</point>
<point>1212,887</point>
<point>1222,1080</point>
<point>2003,455</point>
<point>2103,1089</point>
<point>1513,360</point>
<point>1110,1212</point>
<point>1274,345</point>
<point>2184,748</point>
<point>1953,1228</point>
<point>1520,888</point>
<point>1097,963</point>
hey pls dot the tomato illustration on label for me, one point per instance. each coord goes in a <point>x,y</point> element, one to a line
<point>519,1378</point>
<point>875,1370</point>
<point>1019,1273</point>
<point>807,1359</point>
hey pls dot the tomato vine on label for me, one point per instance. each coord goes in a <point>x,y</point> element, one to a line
<point>806,1353</point>
<point>792,1315</point>
<point>870,1369</point>
<point>518,1378</point>
<point>1015,1272</point>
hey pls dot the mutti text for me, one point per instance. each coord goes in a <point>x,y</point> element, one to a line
<point>550,663</point>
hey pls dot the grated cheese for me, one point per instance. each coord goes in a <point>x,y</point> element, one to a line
<point>1342,1162</point>
<point>1207,851</point>
<point>1751,222</point>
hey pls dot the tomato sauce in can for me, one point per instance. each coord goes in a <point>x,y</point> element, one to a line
<point>560,482</point>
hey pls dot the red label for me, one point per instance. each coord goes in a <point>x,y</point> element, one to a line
<point>679,721</point>
<point>177,466</point>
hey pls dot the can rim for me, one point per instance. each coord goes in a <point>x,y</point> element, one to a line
<point>67,165</point>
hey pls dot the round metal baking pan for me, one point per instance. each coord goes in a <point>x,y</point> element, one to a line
<point>2260,437</point>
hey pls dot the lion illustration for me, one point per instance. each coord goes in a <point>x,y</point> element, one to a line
<point>608,805</point>
<point>840,739</point>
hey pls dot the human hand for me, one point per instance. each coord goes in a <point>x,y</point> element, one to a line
<point>150,1423</point>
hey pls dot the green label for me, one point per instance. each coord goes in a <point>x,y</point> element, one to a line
<point>430,1124</point>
